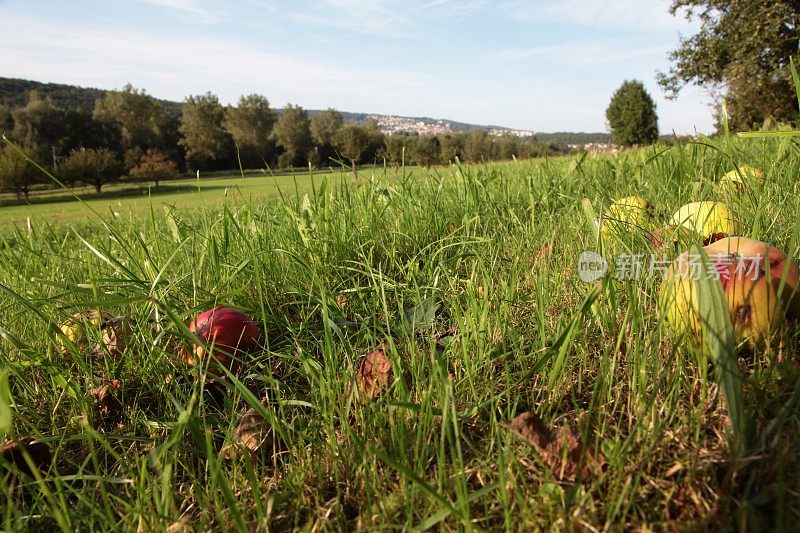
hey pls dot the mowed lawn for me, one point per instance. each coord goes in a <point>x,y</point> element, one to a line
<point>135,200</point>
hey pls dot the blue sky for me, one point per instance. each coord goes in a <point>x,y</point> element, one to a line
<point>542,65</point>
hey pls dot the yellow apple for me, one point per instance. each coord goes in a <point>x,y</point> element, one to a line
<point>626,214</point>
<point>750,272</point>
<point>710,220</point>
<point>739,180</point>
<point>74,328</point>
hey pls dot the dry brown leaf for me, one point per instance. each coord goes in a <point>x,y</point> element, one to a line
<point>341,300</point>
<point>561,450</point>
<point>544,252</point>
<point>12,452</point>
<point>106,398</point>
<point>253,431</point>
<point>374,373</point>
<point>117,332</point>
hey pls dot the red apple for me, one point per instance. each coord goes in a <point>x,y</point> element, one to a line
<point>229,332</point>
<point>751,273</point>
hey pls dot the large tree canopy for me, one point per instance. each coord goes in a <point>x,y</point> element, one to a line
<point>292,132</point>
<point>202,132</point>
<point>141,119</point>
<point>250,126</point>
<point>742,51</point>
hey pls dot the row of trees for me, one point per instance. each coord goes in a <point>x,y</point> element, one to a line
<point>129,133</point>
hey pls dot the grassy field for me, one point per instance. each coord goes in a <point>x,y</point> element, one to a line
<point>466,279</point>
<point>81,205</point>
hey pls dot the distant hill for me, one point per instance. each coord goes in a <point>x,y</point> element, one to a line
<point>14,93</point>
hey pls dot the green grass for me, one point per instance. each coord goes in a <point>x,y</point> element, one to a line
<point>331,274</point>
<point>81,205</point>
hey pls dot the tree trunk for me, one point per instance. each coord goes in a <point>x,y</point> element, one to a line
<point>98,186</point>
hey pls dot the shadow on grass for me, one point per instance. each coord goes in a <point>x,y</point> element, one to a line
<point>63,197</point>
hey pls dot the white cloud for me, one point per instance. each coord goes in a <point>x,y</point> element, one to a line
<point>642,15</point>
<point>577,55</point>
<point>191,9</point>
<point>173,66</point>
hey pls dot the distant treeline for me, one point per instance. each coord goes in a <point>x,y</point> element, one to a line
<point>95,137</point>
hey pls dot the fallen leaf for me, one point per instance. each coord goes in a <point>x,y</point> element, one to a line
<point>544,252</point>
<point>116,332</point>
<point>561,450</point>
<point>12,452</point>
<point>106,398</point>
<point>374,373</point>
<point>714,238</point>
<point>341,300</point>
<point>253,431</point>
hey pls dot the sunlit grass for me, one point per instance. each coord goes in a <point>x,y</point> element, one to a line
<point>330,270</point>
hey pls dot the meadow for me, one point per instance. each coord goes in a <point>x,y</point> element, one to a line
<point>81,205</point>
<point>464,279</point>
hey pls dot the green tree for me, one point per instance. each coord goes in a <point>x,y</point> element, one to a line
<point>141,120</point>
<point>742,51</point>
<point>92,166</point>
<point>39,127</point>
<point>17,175</point>
<point>202,132</point>
<point>154,166</point>
<point>451,147</point>
<point>250,126</point>
<point>352,140</point>
<point>324,127</point>
<point>398,146</point>
<point>377,141</point>
<point>292,132</point>
<point>426,150</point>
<point>478,146</point>
<point>509,146</point>
<point>6,120</point>
<point>631,115</point>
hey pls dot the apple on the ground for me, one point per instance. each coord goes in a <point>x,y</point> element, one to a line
<point>761,285</point>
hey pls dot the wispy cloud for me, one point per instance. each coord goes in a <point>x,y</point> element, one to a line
<point>384,18</point>
<point>179,64</point>
<point>634,15</point>
<point>434,3</point>
<point>379,17</point>
<point>578,55</point>
<point>187,8</point>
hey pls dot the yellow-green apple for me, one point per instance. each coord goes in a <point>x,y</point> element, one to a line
<point>626,214</point>
<point>75,328</point>
<point>761,285</point>
<point>710,220</point>
<point>739,180</point>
